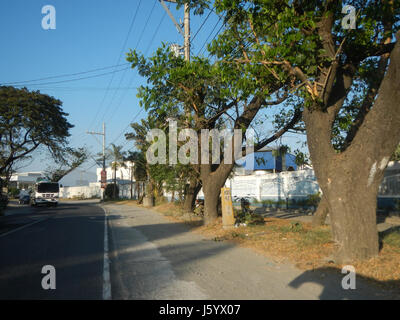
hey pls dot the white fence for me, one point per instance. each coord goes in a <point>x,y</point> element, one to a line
<point>94,190</point>
<point>87,192</point>
<point>275,186</point>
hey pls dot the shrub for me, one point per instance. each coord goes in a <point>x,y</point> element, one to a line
<point>293,227</point>
<point>109,191</point>
<point>14,192</point>
<point>3,203</point>
<point>314,199</point>
<point>392,238</point>
<point>249,218</point>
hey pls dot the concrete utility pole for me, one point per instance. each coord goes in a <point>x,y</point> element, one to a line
<point>186,22</point>
<point>187,32</point>
<point>104,151</point>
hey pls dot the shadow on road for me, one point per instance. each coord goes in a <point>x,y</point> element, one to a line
<point>328,278</point>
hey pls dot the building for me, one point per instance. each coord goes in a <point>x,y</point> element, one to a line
<point>25,180</point>
<point>123,173</point>
<point>264,161</point>
<point>124,178</point>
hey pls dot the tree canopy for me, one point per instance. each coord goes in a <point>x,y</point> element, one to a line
<point>30,120</point>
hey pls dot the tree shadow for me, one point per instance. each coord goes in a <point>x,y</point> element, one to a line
<point>331,281</point>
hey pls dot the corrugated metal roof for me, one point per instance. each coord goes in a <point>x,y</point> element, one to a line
<point>264,160</point>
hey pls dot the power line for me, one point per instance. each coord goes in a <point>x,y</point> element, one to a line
<point>133,76</point>
<point>123,48</point>
<point>119,58</point>
<point>198,30</point>
<point>71,80</point>
<point>137,44</point>
<point>85,88</point>
<point>64,75</point>
<point>217,33</point>
<point>147,49</point>
<point>154,34</point>
<point>209,36</point>
<point>134,118</point>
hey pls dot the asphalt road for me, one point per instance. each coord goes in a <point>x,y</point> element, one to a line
<point>69,237</point>
<point>135,253</point>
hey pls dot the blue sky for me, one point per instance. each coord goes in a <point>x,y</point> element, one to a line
<point>89,34</point>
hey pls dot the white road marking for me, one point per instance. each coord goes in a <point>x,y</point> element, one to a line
<point>106,264</point>
<point>22,227</point>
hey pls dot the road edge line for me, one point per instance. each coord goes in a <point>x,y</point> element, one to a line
<point>106,262</point>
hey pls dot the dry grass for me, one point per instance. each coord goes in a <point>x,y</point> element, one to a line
<point>296,243</point>
<point>124,202</point>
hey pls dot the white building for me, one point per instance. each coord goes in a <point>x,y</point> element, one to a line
<point>123,173</point>
<point>25,180</point>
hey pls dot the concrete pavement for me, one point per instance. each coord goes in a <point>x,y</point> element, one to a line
<point>154,258</point>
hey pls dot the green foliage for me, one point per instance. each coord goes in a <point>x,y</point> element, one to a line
<point>109,191</point>
<point>316,237</point>
<point>248,218</point>
<point>116,156</point>
<point>293,227</point>
<point>314,199</point>
<point>392,238</point>
<point>14,192</point>
<point>281,41</point>
<point>30,120</point>
<point>139,169</point>
<point>72,159</point>
<point>301,158</point>
<point>396,155</point>
<point>281,151</point>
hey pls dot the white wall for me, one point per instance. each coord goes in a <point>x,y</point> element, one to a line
<point>273,186</point>
<point>93,190</point>
<point>122,173</point>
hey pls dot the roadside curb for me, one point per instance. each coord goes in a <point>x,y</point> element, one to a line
<point>114,261</point>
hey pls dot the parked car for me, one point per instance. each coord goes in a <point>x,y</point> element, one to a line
<point>24,199</point>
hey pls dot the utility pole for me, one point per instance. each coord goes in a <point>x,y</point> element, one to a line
<point>186,23</point>
<point>103,172</point>
<point>187,32</point>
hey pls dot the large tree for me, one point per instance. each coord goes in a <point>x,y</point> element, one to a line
<point>210,95</point>
<point>30,120</point>
<point>349,82</point>
<point>158,176</point>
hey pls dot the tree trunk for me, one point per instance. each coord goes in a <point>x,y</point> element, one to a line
<point>350,179</point>
<point>212,184</point>
<point>350,200</point>
<point>211,196</point>
<point>191,191</point>
<point>353,217</point>
<point>320,215</point>
<point>115,183</point>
